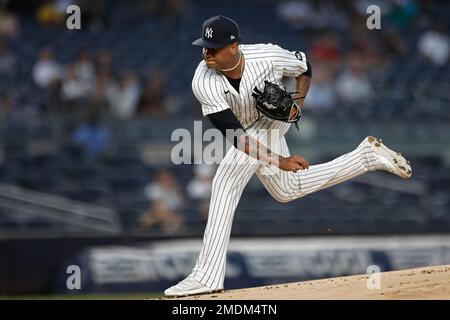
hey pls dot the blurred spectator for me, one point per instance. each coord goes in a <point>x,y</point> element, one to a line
<point>53,12</point>
<point>95,13</point>
<point>56,103</point>
<point>322,94</point>
<point>353,85</point>
<point>299,14</point>
<point>160,215</point>
<point>9,24</point>
<point>434,45</point>
<point>84,67</point>
<point>103,65</point>
<point>166,202</point>
<point>325,51</point>
<point>402,12</point>
<point>99,99</point>
<point>10,119</point>
<point>6,105</point>
<point>326,48</point>
<point>46,70</point>
<point>318,15</point>
<point>92,136</point>
<point>199,188</point>
<point>393,44</point>
<point>166,189</point>
<point>73,86</point>
<point>151,101</point>
<point>371,47</point>
<point>123,97</point>
<point>7,60</point>
<point>104,61</point>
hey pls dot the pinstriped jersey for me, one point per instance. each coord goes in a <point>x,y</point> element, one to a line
<point>262,62</point>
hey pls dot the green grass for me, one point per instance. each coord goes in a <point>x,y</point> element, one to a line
<point>118,296</point>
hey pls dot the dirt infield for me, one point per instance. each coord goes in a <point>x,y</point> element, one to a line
<point>420,283</point>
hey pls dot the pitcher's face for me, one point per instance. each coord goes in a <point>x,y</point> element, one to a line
<point>221,58</point>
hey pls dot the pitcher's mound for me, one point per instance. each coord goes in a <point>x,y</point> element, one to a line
<point>420,283</point>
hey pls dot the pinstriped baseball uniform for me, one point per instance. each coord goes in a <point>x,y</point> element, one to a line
<point>214,92</point>
<point>262,62</point>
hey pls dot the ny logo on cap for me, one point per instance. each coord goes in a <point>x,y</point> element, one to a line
<point>209,32</point>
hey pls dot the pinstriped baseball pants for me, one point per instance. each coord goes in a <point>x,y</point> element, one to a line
<point>232,176</point>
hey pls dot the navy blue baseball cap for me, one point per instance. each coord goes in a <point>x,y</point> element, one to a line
<point>218,32</point>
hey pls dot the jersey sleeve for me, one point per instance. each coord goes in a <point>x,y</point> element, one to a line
<point>289,63</point>
<point>209,92</point>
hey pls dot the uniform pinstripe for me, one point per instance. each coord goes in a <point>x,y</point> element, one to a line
<point>262,62</point>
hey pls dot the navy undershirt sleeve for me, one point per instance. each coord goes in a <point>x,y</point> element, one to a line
<point>224,120</point>
<point>308,73</point>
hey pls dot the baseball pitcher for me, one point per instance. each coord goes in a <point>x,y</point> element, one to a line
<point>240,88</point>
